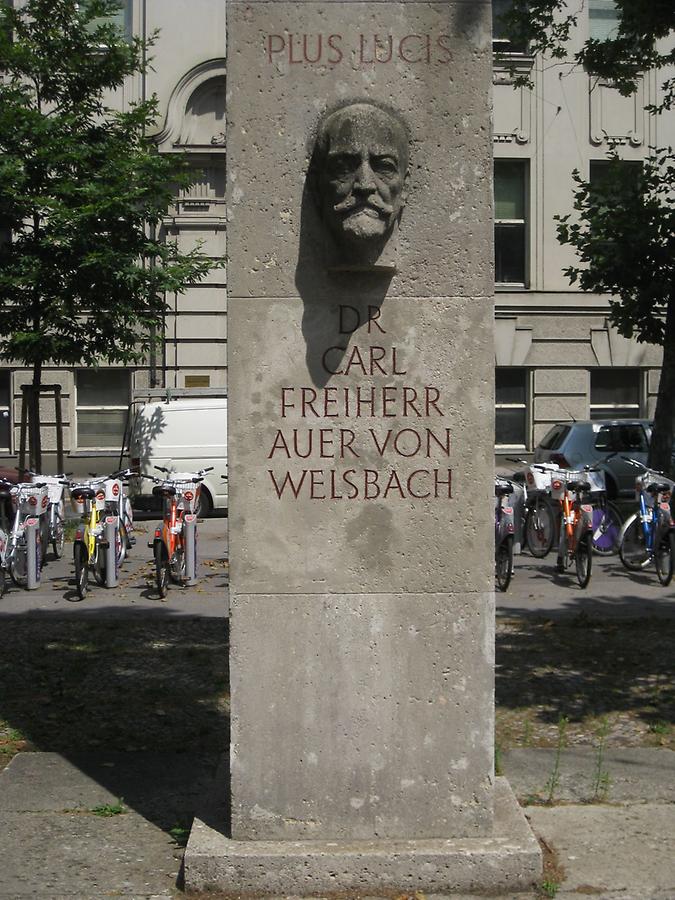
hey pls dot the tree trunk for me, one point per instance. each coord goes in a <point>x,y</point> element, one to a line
<point>34,420</point>
<point>660,451</point>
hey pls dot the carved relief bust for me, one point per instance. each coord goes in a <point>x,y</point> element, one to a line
<point>358,177</point>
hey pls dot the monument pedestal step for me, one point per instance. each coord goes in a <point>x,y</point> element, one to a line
<point>509,859</point>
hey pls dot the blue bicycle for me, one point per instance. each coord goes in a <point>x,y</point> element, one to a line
<point>649,534</point>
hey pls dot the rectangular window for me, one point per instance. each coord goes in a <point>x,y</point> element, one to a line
<point>5,410</point>
<point>102,402</point>
<point>615,393</point>
<point>121,18</point>
<point>501,42</point>
<point>510,221</point>
<point>603,19</point>
<point>511,407</point>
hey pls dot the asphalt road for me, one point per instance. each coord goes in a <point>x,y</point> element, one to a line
<point>136,592</point>
<point>536,588</point>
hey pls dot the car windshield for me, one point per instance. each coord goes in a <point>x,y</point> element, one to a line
<point>554,437</point>
<point>622,438</point>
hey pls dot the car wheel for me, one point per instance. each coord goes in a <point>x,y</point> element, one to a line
<point>204,504</point>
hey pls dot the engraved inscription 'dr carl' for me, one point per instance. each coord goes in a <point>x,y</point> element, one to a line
<point>358,176</point>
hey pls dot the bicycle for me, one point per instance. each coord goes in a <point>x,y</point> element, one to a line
<point>5,501</point>
<point>97,548</point>
<point>23,550</point>
<point>504,534</point>
<point>649,535</point>
<point>538,514</point>
<point>174,544</point>
<point>54,531</point>
<point>575,544</point>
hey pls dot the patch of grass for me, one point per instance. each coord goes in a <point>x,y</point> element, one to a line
<point>659,727</point>
<point>585,668</point>
<point>549,888</point>
<point>180,834</point>
<point>106,810</point>
<point>499,768</point>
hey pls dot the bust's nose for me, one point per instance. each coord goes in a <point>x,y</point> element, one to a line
<point>364,181</point>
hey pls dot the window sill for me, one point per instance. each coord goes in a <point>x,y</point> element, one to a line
<point>84,454</point>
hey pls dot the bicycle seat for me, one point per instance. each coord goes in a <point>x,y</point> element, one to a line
<point>502,490</point>
<point>657,487</point>
<point>83,493</point>
<point>164,490</point>
<point>578,486</point>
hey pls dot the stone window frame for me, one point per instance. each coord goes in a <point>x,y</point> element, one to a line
<point>525,406</point>
<point>6,410</point>
<point>521,223</point>
<point>103,407</point>
<point>620,409</point>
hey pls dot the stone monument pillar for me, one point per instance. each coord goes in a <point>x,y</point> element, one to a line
<point>360,320</point>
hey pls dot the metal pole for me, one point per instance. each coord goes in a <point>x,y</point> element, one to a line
<point>33,555</point>
<point>111,557</point>
<point>190,539</point>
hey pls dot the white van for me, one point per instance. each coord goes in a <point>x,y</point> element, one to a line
<point>184,434</point>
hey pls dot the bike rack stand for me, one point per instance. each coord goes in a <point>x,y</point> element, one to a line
<point>190,533</point>
<point>33,561</point>
<point>111,573</point>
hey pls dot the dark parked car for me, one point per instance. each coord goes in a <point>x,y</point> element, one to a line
<point>574,445</point>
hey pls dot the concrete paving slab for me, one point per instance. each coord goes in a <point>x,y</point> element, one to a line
<point>637,775</point>
<point>605,851</point>
<point>82,855</point>
<point>162,787</point>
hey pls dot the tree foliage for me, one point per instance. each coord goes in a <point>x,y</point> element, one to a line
<point>83,191</point>
<point>643,27</point>
<point>623,231</point>
<point>624,236</point>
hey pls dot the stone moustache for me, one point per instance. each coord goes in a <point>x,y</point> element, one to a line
<point>358,176</point>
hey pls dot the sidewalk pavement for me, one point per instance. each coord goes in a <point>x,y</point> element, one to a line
<point>53,844</point>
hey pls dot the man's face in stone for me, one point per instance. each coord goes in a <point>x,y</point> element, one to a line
<point>363,178</point>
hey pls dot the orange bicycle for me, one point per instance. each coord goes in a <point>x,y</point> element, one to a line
<point>175,542</point>
<point>576,523</point>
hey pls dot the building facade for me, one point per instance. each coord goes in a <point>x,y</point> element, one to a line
<point>557,357</point>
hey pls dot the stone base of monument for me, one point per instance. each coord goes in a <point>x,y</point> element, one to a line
<point>509,859</point>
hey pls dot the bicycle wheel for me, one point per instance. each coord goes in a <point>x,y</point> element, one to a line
<point>18,566</point>
<point>98,565</point>
<point>122,543</point>
<point>81,560</point>
<point>540,527</point>
<point>58,533</point>
<point>633,551</point>
<point>606,529</point>
<point>663,558</point>
<point>177,569</point>
<point>583,559</point>
<point>504,563</point>
<point>161,568</point>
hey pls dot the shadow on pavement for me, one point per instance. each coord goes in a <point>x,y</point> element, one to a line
<point>107,694</point>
